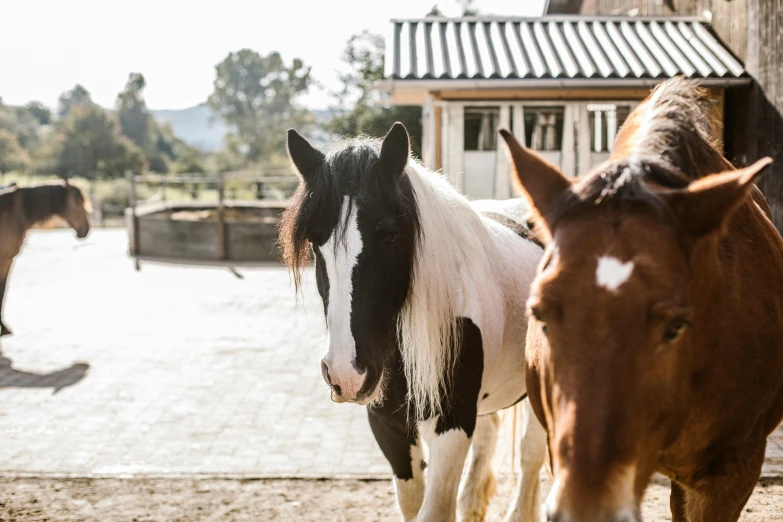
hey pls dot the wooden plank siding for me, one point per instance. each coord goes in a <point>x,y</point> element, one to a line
<point>729,17</point>
<point>762,107</point>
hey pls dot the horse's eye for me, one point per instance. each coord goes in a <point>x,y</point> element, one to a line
<point>538,315</point>
<point>386,235</point>
<point>674,329</point>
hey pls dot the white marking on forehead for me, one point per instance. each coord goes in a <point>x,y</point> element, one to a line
<point>612,273</point>
<point>340,254</point>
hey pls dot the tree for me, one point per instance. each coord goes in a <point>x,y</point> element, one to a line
<point>190,162</point>
<point>12,155</point>
<point>40,112</point>
<point>257,96</point>
<point>468,7</point>
<point>22,124</point>
<point>76,97</point>
<point>90,144</point>
<point>135,119</point>
<point>435,11</point>
<point>363,109</point>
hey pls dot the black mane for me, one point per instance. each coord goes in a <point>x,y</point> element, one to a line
<point>38,203</point>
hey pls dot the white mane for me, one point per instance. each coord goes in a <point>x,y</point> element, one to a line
<point>453,259</point>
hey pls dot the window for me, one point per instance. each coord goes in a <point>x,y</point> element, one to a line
<point>481,128</point>
<point>605,120</point>
<point>544,128</point>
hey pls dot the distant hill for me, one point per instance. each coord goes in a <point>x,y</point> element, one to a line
<point>197,126</point>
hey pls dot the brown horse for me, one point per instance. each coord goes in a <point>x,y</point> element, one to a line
<point>656,338</point>
<point>22,208</point>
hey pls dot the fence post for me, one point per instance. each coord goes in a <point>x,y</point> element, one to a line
<point>221,218</point>
<point>134,222</point>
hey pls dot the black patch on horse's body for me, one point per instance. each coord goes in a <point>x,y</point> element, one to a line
<point>460,403</point>
<point>392,422</point>
<point>523,231</point>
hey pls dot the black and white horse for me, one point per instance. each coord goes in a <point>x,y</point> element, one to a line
<point>424,298</point>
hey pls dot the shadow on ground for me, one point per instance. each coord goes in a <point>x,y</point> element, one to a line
<point>10,377</point>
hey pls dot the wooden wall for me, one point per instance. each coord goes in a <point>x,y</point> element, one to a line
<point>759,109</point>
<point>728,16</point>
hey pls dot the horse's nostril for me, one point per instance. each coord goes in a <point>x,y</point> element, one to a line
<point>325,374</point>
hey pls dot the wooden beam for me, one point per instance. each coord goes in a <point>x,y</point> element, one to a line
<point>408,97</point>
<point>545,94</point>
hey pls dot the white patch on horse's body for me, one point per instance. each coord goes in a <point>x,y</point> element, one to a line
<point>612,273</point>
<point>340,254</point>
<point>446,460</point>
<point>410,492</point>
<point>479,484</point>
<point>468,266</point>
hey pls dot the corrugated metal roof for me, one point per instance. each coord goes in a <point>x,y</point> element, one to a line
<point>562,48</point>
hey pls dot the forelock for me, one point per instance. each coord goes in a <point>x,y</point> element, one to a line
<point>621,185</point>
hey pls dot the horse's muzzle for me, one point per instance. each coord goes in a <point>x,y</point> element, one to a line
<point>344,385</point>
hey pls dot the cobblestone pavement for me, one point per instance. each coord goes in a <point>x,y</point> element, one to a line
<point>172,371</point>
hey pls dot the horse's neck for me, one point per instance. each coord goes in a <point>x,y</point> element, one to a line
<point>39,204</point>
<point>740,271</point>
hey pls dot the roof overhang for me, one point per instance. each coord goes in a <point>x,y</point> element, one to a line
<point>556,52</point>
<point>545,83</point>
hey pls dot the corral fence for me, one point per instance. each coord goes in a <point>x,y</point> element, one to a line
<point>224,219</point>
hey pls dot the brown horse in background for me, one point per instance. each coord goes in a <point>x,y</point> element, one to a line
<point>656,335</point>
<point>23,207</point>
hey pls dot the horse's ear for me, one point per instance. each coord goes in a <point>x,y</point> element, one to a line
<point>395,149</point>
<point>305,158</point>
<point>706,204</point>
<point>541,182</point>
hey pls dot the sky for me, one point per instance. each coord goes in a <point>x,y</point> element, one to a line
<point>48,46</point>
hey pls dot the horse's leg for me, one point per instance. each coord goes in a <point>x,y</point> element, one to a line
<point>720,496</point>
<point>677,503</point>
<point>479,485</point>
<point>532,453</point>
<point>448,448</point>
<point>402,449</point>
<point>4,270</point>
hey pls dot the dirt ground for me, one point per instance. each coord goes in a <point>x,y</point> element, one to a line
<point>186,500</point>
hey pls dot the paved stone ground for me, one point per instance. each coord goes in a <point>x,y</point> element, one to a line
<point>172,371</point>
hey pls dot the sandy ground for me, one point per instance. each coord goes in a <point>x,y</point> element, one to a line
<point>180,500</point>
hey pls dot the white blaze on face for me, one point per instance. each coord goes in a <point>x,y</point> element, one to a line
<point>619,503</point>
<point>550,504</point>
<point>340,254</point>
<point>612,273</point>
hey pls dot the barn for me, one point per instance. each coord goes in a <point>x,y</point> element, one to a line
<point>564,82</point>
